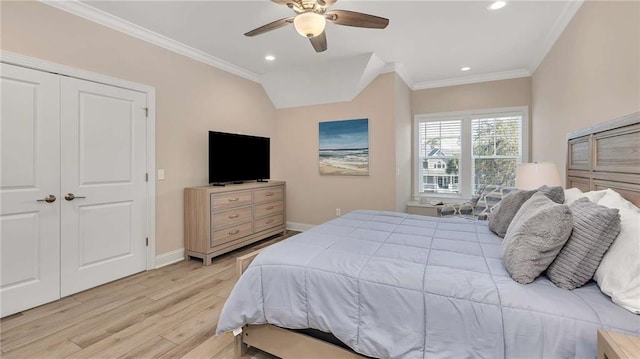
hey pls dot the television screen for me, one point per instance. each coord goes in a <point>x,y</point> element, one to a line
<point>237,158</point>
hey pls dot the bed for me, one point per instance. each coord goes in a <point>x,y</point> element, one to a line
<point>393,285</point>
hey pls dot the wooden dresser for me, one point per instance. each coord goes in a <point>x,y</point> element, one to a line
<point>220,219</point>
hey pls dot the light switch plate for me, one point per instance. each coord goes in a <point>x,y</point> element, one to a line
<point>160,175</point>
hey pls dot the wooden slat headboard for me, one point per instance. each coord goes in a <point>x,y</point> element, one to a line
<point>606,156</point>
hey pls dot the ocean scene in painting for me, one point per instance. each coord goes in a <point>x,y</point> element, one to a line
<point>344,147</point>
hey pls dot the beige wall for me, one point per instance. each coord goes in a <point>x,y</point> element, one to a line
<point>591,75</point>
<point>484,95</point>
<point>191,97</point>
<point>312,198</point>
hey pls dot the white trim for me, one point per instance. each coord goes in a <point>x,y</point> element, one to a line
<point>165,259</point>
<point>495,76</point>
<point>91,13</point>
<point>42,65</point>
<point>569,11</point>
<point>465,170</point>
<point>151,184</point>
<point>300,227</point>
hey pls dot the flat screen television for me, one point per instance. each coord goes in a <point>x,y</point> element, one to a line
<point>235,158</point>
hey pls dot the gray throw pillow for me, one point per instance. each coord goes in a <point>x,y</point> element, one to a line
<point>595,227</point>
<point>503,213</point>
<point>555,193</point>
<point>535,237</point>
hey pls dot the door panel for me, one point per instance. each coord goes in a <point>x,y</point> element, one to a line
<point>103,242</point>
<point>103,164</point>
<point>105,134</point>
<point>30,171</point>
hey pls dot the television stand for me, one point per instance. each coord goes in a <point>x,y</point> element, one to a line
<point>263,180</point>
<point>220,219</point>
<point>237,182</point>
<point>219,184</point>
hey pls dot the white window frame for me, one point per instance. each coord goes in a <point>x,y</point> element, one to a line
<point>466,159</point>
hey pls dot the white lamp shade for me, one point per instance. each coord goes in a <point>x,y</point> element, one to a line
<point>309,24</point>
<point>533,175</point>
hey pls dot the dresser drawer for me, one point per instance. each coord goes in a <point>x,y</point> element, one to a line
<point>268,194</point>
<point>229,200</point>
<point>228,234</point>
<point>230,217</point>
<point>269,222</point>
<point>268,208</point>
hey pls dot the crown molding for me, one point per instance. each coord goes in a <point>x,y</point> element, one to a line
<point>569,11</point>
<point>495,76</point>
<point>90,13</point>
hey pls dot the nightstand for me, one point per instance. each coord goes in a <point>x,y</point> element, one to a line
<point>424,209</point>
<point>614,345</point>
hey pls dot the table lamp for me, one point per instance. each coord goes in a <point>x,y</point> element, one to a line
<point>533,175</point>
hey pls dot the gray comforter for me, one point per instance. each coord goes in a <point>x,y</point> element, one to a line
<point>393,285</point>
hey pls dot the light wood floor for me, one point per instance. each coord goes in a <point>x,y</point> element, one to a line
<point>170,312</point>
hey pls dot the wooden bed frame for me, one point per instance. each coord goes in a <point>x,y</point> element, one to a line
<point>599,157</point>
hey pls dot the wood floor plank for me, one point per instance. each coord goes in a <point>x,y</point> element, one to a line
<point>36,313</point>
<point>32,343</point>
<point>57,351</point>
<point>192,326</point>
<point>182,349</point>
<point>153,348</point>
<point>168,312</point>
<point>211,347</point>
<point>54,318</point>
<point>122,322</point>
<point>30,332</point>
<point>128,339</point>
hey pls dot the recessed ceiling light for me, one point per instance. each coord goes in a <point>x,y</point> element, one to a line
<point>269,57</point>
<point>497,5</point>
<point>466,68</point>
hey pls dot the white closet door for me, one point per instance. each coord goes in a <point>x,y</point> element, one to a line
<point>30,165</point>
<point>103,155</point>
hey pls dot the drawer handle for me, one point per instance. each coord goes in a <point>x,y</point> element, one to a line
<point>270,221</point>
<point>235,231</point>
<point>234,199</point>
<point>269,194</point>
<point>234,215</point>
<point>269,208</point>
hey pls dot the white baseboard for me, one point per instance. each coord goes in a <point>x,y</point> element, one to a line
<point>165,259</point>
<point>301,227</point>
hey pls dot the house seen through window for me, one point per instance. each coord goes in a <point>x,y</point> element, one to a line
<point>460,153</point>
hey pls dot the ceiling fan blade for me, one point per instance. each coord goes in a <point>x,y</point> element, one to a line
<point>319,42</point>
<point>270,26</point>
<point>357,19</point>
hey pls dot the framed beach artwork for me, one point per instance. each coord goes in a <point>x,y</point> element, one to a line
<point>344,147</point>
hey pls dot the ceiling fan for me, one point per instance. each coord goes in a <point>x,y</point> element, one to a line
<point>312,16</point>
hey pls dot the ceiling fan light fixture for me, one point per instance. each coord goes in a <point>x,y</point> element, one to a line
<point>309,24</point>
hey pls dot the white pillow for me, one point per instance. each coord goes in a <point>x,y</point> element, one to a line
<point>618,275</point>
<point>573,194</point>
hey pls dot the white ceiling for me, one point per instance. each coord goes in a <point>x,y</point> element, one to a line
<point>426,42</point>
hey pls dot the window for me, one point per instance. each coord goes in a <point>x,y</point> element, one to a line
<point>459,153</point>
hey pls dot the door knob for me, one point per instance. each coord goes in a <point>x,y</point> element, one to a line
<point>49,199</point>
<point>71,196</point>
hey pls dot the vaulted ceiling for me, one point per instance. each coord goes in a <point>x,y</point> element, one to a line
<point>426,42</point>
